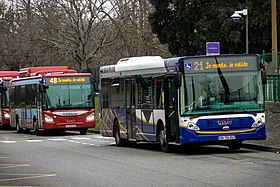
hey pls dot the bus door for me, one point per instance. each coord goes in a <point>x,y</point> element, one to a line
<point>171,111</point>
<point>130,108</point>
<point>23,107</point>
<point>1,102</point>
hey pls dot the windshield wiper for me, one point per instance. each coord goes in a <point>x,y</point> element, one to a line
<point>249,112</point>
<point>224,82</point>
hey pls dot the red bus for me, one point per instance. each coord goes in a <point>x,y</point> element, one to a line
<point>52,98</point>
<point>5,77</point>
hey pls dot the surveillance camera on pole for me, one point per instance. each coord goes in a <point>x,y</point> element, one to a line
<point>235,16</point>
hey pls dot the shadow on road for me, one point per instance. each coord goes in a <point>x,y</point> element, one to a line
<point>187,149</point>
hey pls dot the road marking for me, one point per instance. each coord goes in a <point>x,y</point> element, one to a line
<point>24,176</point>
<point>8,141</point>
<point>57,139</point>
<point>31,141</point>
<point>5,166</point>
<point>80,138</point>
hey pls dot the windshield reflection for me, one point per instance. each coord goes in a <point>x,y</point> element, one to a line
<point>211,93</point>
<point>68,96</point>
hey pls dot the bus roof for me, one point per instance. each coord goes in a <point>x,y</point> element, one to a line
<point>44,70</point>
<point>152,65</point>
<point>9,74</point>
<point>134,66</point>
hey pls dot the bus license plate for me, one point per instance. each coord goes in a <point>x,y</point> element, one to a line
<point>70,126</point>
<point>226,137</point>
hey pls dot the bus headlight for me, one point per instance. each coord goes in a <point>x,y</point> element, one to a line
<point>193,127</point>
<point>48,118</point>
<point>6,115</point>
<point>90,117</point>
<point>257,123</point>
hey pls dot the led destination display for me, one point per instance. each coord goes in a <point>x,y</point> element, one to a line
<point>224,63</point>
<point>66,80</point>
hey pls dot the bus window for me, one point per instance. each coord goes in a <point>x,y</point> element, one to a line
<point>145,93</point>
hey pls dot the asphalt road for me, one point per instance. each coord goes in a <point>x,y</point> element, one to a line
<point>71,159</point>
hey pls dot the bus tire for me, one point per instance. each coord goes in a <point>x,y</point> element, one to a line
<point>163,140</point>
<point>19,130</point>
<point>83,131</point>
<point>119,141</point>
<point>236,145</point>
<point>37,131</point>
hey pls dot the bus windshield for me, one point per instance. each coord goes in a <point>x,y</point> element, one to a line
<point>68,96</point>
<point>217,93</point>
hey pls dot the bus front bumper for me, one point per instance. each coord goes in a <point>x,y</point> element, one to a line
<point>191,137</point>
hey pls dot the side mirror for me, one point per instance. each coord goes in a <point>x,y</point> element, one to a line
<point>95,87</point>
<point>264,77</point>
<point>89,97</point>
<point>42,88</point>
<point>178,79</point>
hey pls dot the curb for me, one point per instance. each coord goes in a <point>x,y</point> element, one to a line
<point>261,148</point>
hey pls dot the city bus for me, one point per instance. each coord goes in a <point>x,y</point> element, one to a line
<point>184,100</point>
<point>5,77</point>
<point>52,98</point>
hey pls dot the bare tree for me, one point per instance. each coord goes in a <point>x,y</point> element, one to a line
<point>137,38</point>
<point>81,28</point>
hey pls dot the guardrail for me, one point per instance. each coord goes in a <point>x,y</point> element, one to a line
<point>272,88</point>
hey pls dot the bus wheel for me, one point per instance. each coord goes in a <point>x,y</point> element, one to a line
<point>83,131</point>
<point>37,131</point>
<point>163,140</point>
<point>18,127</point>
<point>235,145</point>
<point>119,141</point>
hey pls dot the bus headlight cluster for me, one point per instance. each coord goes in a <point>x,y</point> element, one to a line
<point>90,117</point>
<point>48,118</point>
<point>6,114</point>
<point>257,123</point>
<point>193,127</point>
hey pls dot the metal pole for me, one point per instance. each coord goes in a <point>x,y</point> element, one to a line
<point>247,33</point>
<point>274,35</point>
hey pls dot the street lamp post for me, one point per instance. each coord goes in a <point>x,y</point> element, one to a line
<point>236,16</point>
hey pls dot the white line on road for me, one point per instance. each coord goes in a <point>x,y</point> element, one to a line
<point>8,141</point>
<point>57,139</point>
<point>80,138</point>
<point>32,141</point>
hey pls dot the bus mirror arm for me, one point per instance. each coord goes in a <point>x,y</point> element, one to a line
<point>178,79</point>
<point>3,88</point>
<point>264,77</point>
<point>95,87</point>
<point>43,87</point>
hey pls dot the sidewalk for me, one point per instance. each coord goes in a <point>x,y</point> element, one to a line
<point>272,142</point>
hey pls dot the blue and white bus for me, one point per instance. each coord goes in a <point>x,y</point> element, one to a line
<point>184,100</point>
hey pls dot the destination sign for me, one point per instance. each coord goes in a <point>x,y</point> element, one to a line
<point>67,80</point>
<point>223,63</point>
